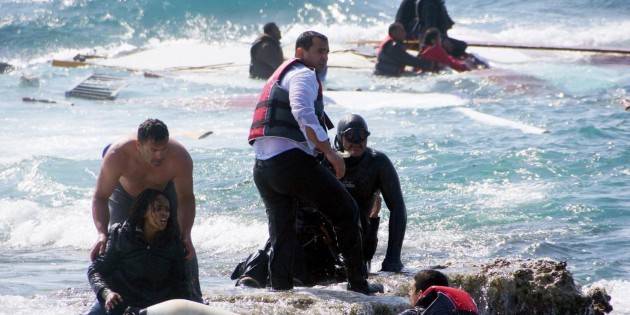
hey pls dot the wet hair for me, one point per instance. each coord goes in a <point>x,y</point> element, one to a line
<point>430,36</point>
<point>140,208</point>
<point>427,278</point>
<point>305,40</point>
<point>269,27</point>
<point>394,27</point>
<point>152,129</point>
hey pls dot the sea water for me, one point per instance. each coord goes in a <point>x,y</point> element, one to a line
<point>474,191</point>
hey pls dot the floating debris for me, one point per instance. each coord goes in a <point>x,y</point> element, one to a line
<point>98,87</point>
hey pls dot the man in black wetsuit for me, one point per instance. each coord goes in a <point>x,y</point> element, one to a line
<point>369,173</point>
<point>266,53</point>
<point>432,13</point>
<point>393,56</point>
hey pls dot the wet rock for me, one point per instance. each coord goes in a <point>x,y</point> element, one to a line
<point>499,287</point>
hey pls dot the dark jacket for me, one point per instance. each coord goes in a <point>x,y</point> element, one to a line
<point>393,57</point>
<point>266,56</point>
<point>432,13</point>
<point>406,15</point>
<point>364,178</point>
<point>141,274</point>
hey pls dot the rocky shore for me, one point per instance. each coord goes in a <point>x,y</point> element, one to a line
<point>498,287</point>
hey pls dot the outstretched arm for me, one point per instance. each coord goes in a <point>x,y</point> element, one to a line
<point>392,194</point>
<point>186,200</point>
<point>105,183</point>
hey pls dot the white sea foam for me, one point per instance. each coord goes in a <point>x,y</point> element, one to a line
<point>28,224</point>
<point>499,195</point>
<point>619,290</point>
<point>39,304</point>
<point>221,234</point>
<point>600,33</point>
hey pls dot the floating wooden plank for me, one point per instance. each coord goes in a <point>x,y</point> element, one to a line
<point>98,87</point>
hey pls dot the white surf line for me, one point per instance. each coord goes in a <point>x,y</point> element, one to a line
<point>500,122</point>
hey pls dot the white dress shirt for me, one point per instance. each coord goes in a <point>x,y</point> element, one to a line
<point>303,88</point>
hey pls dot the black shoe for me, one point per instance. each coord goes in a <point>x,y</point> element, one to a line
<point>368,288</point>
<point>249,282</point>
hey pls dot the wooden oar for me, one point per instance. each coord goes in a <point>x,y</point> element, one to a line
<point>514,46</point>
<point>147,73</point>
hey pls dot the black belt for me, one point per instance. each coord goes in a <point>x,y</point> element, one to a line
<point>284,158</point>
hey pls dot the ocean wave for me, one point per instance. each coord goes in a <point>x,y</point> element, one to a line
<point>37,27</point>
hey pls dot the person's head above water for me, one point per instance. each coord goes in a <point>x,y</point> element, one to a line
<point>352,134</point>
<point>432,37</point>
<point>153,141</point>
<point>423,280</point>
<point>312,48</point>
<point>397,32</point>
<point>272,30</point>
<point>152,213</point>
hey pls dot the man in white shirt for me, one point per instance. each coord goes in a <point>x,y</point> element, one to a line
<point>289,129</point>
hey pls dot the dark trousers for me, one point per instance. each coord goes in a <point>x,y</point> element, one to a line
<point>455,47</point>
<point>295,175</point>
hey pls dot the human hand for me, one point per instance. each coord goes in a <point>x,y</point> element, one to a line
<point>99,246</point>
<point>337,163</point>
<point>190,249</point>
<point>112,300</point>
<point>376,207</point>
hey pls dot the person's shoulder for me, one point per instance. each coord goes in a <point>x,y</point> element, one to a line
<point>377,155</point>
<point>180,154</point>
<point>300,70</point>
<point>118,229</point>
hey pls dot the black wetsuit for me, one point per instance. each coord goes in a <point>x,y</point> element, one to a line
<point>266,56</point>
<point>364,178</point>
<point>432,13</point>
<point>393,57</point>
<point>142,274</point>
<point>406,15</point>
<point>316,258</point>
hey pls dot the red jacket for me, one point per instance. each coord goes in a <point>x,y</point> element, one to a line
<point>437,54</point>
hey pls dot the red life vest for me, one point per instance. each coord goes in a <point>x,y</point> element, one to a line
<point>461,300</point>
<point>436,53</point>
<point>273,117</point>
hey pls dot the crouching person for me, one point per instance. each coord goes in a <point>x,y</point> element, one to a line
<point>143,263</point>
<point>431,295</point>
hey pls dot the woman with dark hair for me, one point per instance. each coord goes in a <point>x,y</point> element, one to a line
<point>143,263</point>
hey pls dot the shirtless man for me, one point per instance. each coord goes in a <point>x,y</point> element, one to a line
<point>149,160</point>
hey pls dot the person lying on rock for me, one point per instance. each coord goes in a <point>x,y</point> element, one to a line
<point>430,295</point>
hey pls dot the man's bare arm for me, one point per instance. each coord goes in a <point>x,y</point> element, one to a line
<point>185,199</point>
<point>105,184</point>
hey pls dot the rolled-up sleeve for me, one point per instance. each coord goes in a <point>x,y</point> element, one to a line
<point>303,89</point>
